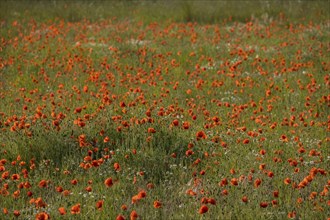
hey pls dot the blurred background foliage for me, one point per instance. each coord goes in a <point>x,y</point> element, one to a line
<point>206,12</point>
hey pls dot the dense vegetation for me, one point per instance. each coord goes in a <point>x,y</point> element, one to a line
<point>154,110</point>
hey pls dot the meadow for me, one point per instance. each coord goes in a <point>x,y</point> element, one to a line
<point>164,110</point>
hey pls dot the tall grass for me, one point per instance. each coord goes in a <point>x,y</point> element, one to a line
<point>178,11</point>
<point>196,101</point>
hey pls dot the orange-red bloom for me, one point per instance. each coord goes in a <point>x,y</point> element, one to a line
<point>151,130</point>
<point>292,214</point>
<point>5,211</point>
<point>40,203</point>
<point>43,183</point>
<point>185,125</point>
<point>124,207</point>
<point>234,181</point>
<point>133,215</point>
<point>200,135</point>
<point>257,183</point>
<point>15,177</point>
<point>287,181</point>
<point>211,201</point>
<point>135,199</point>
<point>66,193</point>
<point>274,202</point>
<point>203,209</point>
<point>120,217</point>
<point>99,204</point>
<point>108,182</point>
<point>224,182</point>
<point>263,204</point>
<point>157,204</point>
<point>17,213</point>
<point>62,211</point>
<point>142,194</point>
<point>116,166</point>
<point>175,122</point>
<point>284,138</point>
<point>246,141</point>
<point>42,216</point>
<point>5,175</point>
<point>75,209</point>
<point>88,189</point>
<point>189,152</point>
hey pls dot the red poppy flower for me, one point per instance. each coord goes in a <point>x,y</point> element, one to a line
<point>42,216</point>
<point>224,182</point>
<point>108,182</point>
<point>287,181</point>
<point>274,202</point>
<point>66,192</point>
<point>150,186</point>
<point>85,89</point>
<point>191,192</point>
<point>122,104</point>
<point>75,209</point>
<point>142,194</point>
<point>124,207</point>
<point>17,213</point>
<point>200,135</point>
<point>99,204</point>
<point>203,209</point>
<point>292,214</point>
<point>40,203</point>
<point>88,189</point>
<point>284,138</point>
<point>116,166</point>
<point>246,141</point>
<point>133,215</point>
<point>224,192</point>
<point>234,181</point>
<point>263,204</point>
<point>120,217</point>
<point>5,211</point>
<point>29,193</point>
<point>74,182</point>
<point>270,174</point>
<point>59,189</point>
<point>106,139</point>
<point>300,200</point>
<point>189,152</point>
<point>262,152</point>
<point>175,122</point>
<point>135,199</point>
<point>151,130</point>
<point>16,194</point>
<point>15,177</point>
<point>257,183</point>
<point>185,125</point>
<point>157,204</point>
<point>43,183</point>
<point>211,201</point>
<point>312,195</point>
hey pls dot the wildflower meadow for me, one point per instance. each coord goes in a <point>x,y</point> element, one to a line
<point>165,109</point>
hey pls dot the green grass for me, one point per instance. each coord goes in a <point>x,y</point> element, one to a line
<point>236,70</point>
<point>158,11</point>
